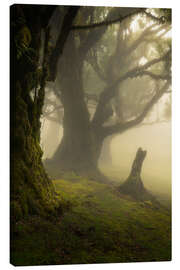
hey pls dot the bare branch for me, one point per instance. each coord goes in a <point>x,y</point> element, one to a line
<point>154,76</point>
<point>94,36</point>
<point>121,127</point>
<point>153,122</point>
<point>106,23</point>
<point>66,28</point>
<point>161,19</point>
<point>110,91</point>
<point>146,36</point>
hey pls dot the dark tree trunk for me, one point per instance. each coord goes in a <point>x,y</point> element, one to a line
<point>133,186</point>
<point>31,190</point>
<point>80,146</point>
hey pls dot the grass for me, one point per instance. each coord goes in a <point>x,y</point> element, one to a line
<point>101,227</point>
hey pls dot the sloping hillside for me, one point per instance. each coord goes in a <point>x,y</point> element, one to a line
<point>99,225</point>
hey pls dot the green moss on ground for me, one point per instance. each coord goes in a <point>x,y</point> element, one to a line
<point>100,226</point>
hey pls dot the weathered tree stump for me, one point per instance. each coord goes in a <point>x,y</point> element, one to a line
<point>133,186</point>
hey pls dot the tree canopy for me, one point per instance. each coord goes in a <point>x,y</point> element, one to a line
<point>126,62</point>
<point>114,67</point>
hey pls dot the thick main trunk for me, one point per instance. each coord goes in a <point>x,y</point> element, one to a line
<point>80,146</point>
<point>75,151</point>
<point>31,190</point>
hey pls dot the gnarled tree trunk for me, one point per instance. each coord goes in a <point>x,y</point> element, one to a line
<point>133,186</point>
<point>32,192</point>
<point>79,148</point>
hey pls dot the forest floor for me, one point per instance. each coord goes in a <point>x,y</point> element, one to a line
<point>101,226</point>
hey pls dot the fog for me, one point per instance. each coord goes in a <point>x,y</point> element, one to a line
<point>156,171</point>
<point>91,88</point>
<point>155,138</point>
<point>128,61</point>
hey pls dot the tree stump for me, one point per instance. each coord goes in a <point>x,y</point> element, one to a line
<point>133,186</point>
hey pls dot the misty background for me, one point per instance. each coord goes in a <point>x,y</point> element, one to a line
<point>102,66</point>
<point>155,138</point>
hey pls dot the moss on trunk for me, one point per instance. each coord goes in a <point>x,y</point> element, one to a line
<point>32,192</point>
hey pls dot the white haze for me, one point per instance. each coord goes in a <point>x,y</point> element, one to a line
<point>156,170</point>
<point>155,138</point>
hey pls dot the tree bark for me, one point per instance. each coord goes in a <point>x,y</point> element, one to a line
<point>134,186</point>
<point>74,152</point>
<point>80,147</point>
<point>32,192</point>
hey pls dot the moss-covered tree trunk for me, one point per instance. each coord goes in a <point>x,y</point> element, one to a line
<point>32,192</point>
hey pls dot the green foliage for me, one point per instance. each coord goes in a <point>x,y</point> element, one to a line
<point>24,36</point>
<point>16,210</point>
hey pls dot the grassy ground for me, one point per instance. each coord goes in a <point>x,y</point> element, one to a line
<point>102,226</point>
